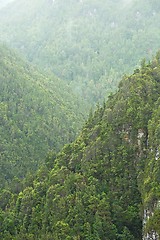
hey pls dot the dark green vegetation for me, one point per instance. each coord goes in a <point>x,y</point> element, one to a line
<point>151,189</point>
<point>89,43</point>
<point>97,187</point>
<point>37,114</point>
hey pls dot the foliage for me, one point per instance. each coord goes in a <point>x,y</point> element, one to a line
<point>90,44</point>
<point>37,114</point>
<point>93,189</point>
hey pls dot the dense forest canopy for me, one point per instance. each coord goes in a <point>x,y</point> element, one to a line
<point>90,44</point>
<point>69,55</point>
<point>38,113</point>
<point>97,187</point>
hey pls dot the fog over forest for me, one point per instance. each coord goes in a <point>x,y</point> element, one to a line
<point>79,119</point>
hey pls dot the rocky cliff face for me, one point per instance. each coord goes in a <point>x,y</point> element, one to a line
<point>153,234</point>
<point>151,184</point>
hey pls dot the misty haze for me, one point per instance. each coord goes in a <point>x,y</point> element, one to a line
<point>79,119</point>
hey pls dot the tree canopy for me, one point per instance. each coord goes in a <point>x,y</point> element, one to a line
<point>38,113</point>
<point>98,186</point>
<point>90,44</point>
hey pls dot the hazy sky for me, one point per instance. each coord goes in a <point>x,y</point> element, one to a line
<point>126,2</point>
<point>4,2</point>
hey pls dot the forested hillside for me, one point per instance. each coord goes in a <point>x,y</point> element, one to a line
<point>105,185</point>
<point>98,187</point>
<point>89,43</point>
<point>37,114</point>
<point>151,187</point>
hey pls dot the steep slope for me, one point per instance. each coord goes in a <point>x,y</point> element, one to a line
<point>97,187</point>
<point>37,113</point>
<point>88,43</point>
<point>151,189</point>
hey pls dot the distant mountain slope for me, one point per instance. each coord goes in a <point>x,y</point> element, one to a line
<point>98,186</point>
<point>88,43</point>
<point>37,113</point>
